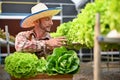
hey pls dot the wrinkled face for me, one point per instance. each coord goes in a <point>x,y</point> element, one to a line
<point>46,23</point>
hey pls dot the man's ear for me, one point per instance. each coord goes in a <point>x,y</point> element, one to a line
<point>36,21</point>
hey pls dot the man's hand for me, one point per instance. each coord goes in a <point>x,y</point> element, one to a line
<point>55,42</point>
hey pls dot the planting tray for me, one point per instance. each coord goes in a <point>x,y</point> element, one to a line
<point>47,77</point>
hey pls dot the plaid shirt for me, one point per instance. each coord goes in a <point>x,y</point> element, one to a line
<point>27,42</point>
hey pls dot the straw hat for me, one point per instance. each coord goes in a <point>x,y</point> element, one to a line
<point>38,11</point>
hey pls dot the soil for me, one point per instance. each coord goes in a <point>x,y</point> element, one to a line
<point>107,73</point>
<point>3,74</point>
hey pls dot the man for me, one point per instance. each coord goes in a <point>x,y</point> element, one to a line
<point>38,39</point>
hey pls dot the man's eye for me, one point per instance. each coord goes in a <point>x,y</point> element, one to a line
<point>47,19</point>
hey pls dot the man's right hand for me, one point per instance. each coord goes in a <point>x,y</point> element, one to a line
<point>55,42</point>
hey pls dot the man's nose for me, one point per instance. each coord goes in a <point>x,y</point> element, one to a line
<point>51,22</point>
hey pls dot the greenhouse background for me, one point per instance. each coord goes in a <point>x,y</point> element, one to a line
<point>12,11</point>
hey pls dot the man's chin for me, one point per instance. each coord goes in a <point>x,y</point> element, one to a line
<point>47,30</point>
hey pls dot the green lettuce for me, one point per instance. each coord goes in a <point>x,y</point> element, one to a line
<point>25,65</point>
<point>62,61</point>
<point>21,64</point>
<point>41,66</point>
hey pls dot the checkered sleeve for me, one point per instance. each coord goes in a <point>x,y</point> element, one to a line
<point>22,43</point>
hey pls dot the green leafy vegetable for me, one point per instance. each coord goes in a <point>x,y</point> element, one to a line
<point>62,61</point>
<point>41,66</point>
<point>81,29</point>
<point>21,64</point>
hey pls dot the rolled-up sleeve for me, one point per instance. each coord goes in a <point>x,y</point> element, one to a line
<point>22,43</point>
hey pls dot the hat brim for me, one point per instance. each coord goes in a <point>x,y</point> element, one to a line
<point>27,22</point>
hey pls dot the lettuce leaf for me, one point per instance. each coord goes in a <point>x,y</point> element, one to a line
<point>21,64</point>
<point>62,61</point>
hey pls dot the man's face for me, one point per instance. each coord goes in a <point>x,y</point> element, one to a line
<point>46,23</point>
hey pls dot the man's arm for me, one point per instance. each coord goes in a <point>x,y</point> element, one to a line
<point>22,43</point>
